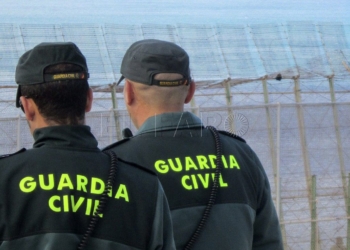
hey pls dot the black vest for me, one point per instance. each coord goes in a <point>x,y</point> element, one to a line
<point>50,190</point>
<point>185,162</point>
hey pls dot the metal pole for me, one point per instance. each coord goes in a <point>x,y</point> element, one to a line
<point>194,107</point>
<point>269,128</point>
<point>348,213</point>
<point>275,155</point>
<point>302,135</point>
<point>313,215</point>
<point>110,125</point>
<point>278,174</point>
<point>115,113</point>
<point>304,150</point>
<point>337,133</point>
<point>279,207</point>
<point>229,105</point>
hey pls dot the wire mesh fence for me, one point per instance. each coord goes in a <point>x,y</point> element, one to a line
<point>284,88</point>
<point>237,53</point>
<point>309,184</point>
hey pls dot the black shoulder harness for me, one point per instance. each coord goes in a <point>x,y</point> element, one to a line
<point>231,135</point>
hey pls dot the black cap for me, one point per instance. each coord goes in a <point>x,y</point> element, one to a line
<point>31,65</point>
<point>146,58</point>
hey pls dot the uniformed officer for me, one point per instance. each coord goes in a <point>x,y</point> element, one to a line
<point>217,189</point>
<point>65,193</point>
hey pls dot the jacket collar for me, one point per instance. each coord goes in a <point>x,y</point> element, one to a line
<point>170,121</point>
<point>78,136</point>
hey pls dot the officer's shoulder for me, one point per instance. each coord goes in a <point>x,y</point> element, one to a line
<point>226,133</point>
<point>138,167</point>
<point>113,145</point>
<point>12,154</point>
<point>127,134</point>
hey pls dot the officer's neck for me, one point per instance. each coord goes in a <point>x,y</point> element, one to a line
<point>140,115</point>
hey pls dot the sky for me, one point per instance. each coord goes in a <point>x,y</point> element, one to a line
<point>173,11</point>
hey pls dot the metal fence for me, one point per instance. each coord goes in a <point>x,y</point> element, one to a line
<point>297,123</point>
<point>304,149</point>
<point>235,53</point>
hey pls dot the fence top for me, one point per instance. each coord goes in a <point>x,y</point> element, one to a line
<point>219,53</point>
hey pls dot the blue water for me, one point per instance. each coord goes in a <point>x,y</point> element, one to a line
<point>173,11</point>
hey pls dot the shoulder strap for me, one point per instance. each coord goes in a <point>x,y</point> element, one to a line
<point>103,201</point>
<point>213,192</point>
<point>231,135</point>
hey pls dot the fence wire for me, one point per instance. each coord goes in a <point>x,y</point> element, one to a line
<point>284,88</point>
<point>310,219</point>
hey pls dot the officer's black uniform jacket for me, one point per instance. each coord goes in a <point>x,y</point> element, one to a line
<point>48,194</point>
<point>183,153</point>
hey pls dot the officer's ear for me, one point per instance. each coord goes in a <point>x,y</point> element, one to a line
<point>190,92</point>
<point>89,100</point>
<point>28,106</point>
<point>129,94</point>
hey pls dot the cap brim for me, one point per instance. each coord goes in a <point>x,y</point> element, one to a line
<point>120,80</point>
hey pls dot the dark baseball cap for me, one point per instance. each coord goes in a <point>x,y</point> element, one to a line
<point>146,58</point>
<point>31,65</point>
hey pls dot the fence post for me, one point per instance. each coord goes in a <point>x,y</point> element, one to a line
<point>313,214</point>
<point>269,129</point>
<point>115,112</point>
<point>348,214</point>
<point>228,95</point>
<point>279,207</point>
<point>278,175</point>
<point>194,107</point>
<point>302,136</point>
<point>337,133</point>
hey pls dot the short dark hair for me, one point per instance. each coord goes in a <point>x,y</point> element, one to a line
<point>63,101</point>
